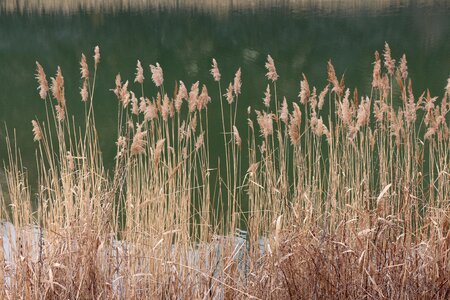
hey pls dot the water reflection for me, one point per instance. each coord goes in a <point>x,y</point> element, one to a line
<point>221,7</point>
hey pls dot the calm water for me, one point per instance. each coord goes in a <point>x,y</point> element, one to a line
<point>184,39</point>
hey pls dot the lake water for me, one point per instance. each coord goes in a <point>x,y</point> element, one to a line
<point>184,36</point>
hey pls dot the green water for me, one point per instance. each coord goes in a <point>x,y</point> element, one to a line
<point>183,41</point>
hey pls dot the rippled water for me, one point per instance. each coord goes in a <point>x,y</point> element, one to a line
<point>183,38</point>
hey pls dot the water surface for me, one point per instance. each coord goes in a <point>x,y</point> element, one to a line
<point>183,36</point>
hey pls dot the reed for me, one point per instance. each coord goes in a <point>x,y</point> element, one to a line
<point>342,196</point>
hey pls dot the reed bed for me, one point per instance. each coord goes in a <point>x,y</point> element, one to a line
<point>331,195</point>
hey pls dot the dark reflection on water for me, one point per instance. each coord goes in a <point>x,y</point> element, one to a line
<point>220,7</point>
<point>183,41</point>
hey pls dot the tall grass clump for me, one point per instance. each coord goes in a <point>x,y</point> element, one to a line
<point>331,195</point>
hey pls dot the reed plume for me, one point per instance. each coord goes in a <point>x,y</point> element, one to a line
<point>376,76</point>
<point>137,147</point>
<point>84,69</point>
<point>96,56</point>
<point>215,70</point>
<point>150,109</point>
<point>37,133</point>
<point>84,92</point>
<point>403,68</point>
<point>229,94</point>
<point>57,88</point>
<point>265,121</point>
<point>200,141</point>
<point>389,63</point>
<point>181,95</point>
<point>304,90</point>
<point>118,89</point>
<point>322,95</point>
<point>139,73</point>
<point>193,96</point>
<point>284,111</point>
<point>42,80</point>
<point>134,104</point>
<point>237,137</point>
<point>271,70</point>
<point>157,74</point>
<point>333,79</point>
<point>294,125</point>
<point>237,82</point>
<point>266,99</point>
<point>203,99</point>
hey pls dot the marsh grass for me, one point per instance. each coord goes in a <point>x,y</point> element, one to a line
<point>343,196</point>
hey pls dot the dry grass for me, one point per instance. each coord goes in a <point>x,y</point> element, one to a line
<point>348,196</point>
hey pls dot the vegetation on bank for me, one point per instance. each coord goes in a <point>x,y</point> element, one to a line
<point>341,194</point>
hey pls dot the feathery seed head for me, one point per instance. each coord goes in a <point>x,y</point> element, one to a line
<point>158,150</point>
<point>84,92</point>
<point>215,70</point>
<point>384,85</point>
<point>137,146</point>
<point>313,99</point>
<point>284,111</point>
<point>139,73</point>
<point>229,94</point>
<point>294,125</point>
<point>37,133</point>
<point>333,79</point>
<point>363,113</point>
<point>237,137</point>
<point>182,94</point>
<point>165,109</point>
<point>265,122</point>
<point>304,90</point>
<point>142,105</point>
<point>376,76</point>
<point>84,69</point>
<point>121,146</point>
<point>193,96</point>
<point>389,63</point>
<point>125,95</point>
<point>266,99</point>
<point>157,74</point>
<point>57,88</point>
<point>60,113</point>
<point>200,141</point>
<point>96,56</point>
<point>151,110</point>
<point>403,68</point>
<point>134,104</point>
<point>322,95</point>
<point>271,70</point>
<point>237,82</point>
<point>118,82</point>
<point>447,88</point>
<point>42,80</point>
<point>203,99</point>
<point>193,123</point>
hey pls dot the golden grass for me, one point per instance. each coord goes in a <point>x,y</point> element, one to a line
<point>347,196</point>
